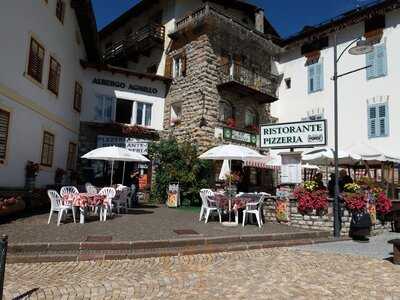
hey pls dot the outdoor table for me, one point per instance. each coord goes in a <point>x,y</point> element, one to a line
<point>237,203</point>
<point>84,200</point>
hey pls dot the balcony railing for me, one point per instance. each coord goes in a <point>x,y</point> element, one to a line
<point>140,40</point>
<point>235,73</point>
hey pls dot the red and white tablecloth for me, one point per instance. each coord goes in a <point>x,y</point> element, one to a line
<point>237,202</point>
<point>84,200</point>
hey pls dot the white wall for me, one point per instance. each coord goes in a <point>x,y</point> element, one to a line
<point>33,107</point>
<point>91,89</point>
<point>354,90</point>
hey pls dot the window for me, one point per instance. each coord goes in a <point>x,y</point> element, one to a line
<point>60,10</point>
<point>226,111</point>
<point>36,59</point>
<point>378,120</point>
<point>4,124</point>
<point>315,77</point>
<point>143,114</point>
<point>71,160</point>
<point>250,117</point>
<point>78,97</point>
<point>54,76</point>
<point>179,66</point>
<point>288,83</point>
<point>378,61</point>
<point>104,108</point>
<point>47,149</point>
<point>123,111</point>
<point>176,113</point>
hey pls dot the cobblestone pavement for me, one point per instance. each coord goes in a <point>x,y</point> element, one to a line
<point>146,223</point>
<point>261,274</point>
<point>378,246</point>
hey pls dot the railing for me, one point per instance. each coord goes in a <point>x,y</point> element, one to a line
<point>264,83</point>
<point>151,31</point>
<point>3,255</point>
<point>193,17</point>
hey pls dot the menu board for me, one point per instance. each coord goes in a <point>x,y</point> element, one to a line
<point>291,169</point>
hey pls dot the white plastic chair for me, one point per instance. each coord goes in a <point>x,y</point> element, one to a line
<point>90,188</point>
<point>58,206</point>
<point>121,201</point>
<point>109,192</point>
<point>254,208</point>
<point>208,205</point>
<point>67,190</point>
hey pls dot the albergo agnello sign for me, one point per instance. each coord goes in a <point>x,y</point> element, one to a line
<point>294,135</point>
<point>123,85</point>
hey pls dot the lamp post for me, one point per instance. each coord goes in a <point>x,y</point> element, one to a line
<point>362,47</point>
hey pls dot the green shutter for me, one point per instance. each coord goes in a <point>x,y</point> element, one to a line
<point>370,61</point>
<point>372,121</point>
<point>311,78</point>
<point>383,120</point>
<point>319,77</point>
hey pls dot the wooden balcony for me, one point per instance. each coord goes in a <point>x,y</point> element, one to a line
<point>249,83</point>
<point>137,43</point>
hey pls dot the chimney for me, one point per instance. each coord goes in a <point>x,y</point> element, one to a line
<point>259,17</point>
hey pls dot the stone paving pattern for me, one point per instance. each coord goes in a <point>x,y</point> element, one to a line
<point>147,223</point>
<point>260,274</point>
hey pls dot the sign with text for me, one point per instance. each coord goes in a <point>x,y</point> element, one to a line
<point>294,135</point>
<point>239,136</point>
<point>132,144</point>
<point>124,85</point>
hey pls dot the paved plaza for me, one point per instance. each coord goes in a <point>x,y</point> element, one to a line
<point>279,273</point>
<point>145,223</point>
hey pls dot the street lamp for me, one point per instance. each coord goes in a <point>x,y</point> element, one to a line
<point>360,47</point>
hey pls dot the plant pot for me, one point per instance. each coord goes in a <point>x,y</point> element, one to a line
<point>30,183</point>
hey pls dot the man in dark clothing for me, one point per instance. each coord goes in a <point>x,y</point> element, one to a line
<point>343,180</point>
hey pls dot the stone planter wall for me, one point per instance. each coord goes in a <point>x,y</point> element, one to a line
<point>314,221</point>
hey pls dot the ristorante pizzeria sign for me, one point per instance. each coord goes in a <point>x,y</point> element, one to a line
<point>294,135</point>
<point>123,85</point>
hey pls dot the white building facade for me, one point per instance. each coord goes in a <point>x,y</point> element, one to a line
<point>368,99</point>
<point>41,81</point>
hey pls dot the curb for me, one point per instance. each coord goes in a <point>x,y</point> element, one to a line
<point>92,251</point>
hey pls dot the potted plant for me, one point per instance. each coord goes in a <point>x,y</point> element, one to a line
<point>59,175</point>
<point>253,128</point>
<point>311,198</point>
<point>31,172</point>
<point>231,123</point>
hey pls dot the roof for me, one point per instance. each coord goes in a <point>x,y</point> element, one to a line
<point>87,24</point>
<point>349,18</point>
<point>144,5</point>
<point>127,72</point>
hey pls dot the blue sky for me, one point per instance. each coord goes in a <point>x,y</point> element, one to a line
<point>287,16</point>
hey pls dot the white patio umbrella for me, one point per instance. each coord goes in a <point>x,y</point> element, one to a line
<point>371,154</point>
<point>229,153</point>
<point>325,156</point>
<point>115,154</point>
<point>225,170</point>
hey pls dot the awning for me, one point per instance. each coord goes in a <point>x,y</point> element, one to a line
<point>261,164</point>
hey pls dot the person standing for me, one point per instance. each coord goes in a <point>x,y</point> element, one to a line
<point>344,179</point>
<point>134,178</point>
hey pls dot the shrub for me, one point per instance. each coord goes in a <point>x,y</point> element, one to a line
<point>178,162</point>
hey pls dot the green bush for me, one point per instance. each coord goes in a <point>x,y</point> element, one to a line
<point>178,162</point>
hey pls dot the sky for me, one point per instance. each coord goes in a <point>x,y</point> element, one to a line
<point>287,16</point>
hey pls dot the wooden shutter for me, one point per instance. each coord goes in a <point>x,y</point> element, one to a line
<point>370,61</point>
<point>36,58</point>
<point>78,97</point>
<point>372,121</point>
<point>383,119</point>
<point>4,124</point>
<point>381,60</point>
<point>168,67</point>
<point>60,10</point>
<point>54,76</point>
<point>319,77</point>
<point>47,149</point>
<point>184,64</point>
<point>311,78</point>
<point>71,160</point>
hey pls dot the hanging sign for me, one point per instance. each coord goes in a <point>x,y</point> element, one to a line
<point>239,136</point>
<point>132,144</point>
<point>294,135</point>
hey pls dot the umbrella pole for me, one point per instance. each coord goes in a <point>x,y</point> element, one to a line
<point>112,171</point>
<point>230,189</point>
<point>123,174</point>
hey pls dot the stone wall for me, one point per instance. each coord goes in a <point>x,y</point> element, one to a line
<point>314,221</point>
<point>203,74</point>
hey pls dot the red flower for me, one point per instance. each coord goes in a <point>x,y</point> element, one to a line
<point>231,122</point>
<point>383,204</point>
<point>355,201</point>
